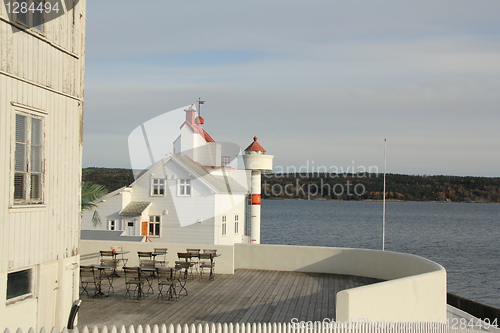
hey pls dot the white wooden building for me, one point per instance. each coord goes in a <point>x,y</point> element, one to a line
<point>191,196</point>
<point>41,120</point>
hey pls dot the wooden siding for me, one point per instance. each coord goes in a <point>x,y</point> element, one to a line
<point>53,59</point>
<point>42,75</point>
<point>42,233</point>
<point>248,296</point>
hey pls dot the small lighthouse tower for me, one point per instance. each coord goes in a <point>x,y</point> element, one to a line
<point>255,159</point>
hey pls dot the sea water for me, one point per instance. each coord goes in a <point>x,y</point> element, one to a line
<point>462,237</point>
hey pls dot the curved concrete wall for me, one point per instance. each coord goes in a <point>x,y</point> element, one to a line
<point>415,290</point>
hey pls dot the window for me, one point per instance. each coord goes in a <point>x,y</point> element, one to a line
<point>225,161</point>
<point>28,177</point>
<point>224,227</point>
<point>112,225</point>
<point>236,225</point>
<point>18,283</point>
<point>184,187</point>
<point>30,12</point>
<point>158,186</point>
<point>154,225</point>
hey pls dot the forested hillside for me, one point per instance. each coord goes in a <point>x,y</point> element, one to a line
<point>370,187</point>
<point>110,178</point>
<point>345,186</point>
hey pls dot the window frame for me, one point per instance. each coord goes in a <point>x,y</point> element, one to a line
<point>31,16</point>
<point>225,161</point>
<point>28,169</point>
<point>112,225</point>
<point>29,294</point>
<point>154,225</point>
<point>236,224</point>
<point>184,187</point>
<point>158,187</point>
<point>224,225</point>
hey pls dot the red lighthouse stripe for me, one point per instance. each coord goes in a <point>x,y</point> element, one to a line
<point>255,199</point>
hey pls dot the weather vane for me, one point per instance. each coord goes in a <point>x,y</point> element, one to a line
<point>200,102</point>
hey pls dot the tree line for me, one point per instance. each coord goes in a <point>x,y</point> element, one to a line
<point>351,186</point>
<point>111,178</point>
<point>365,186</point>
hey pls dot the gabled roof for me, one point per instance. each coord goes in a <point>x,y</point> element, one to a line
<point>112,194</point>
<point>219,183</point>
<point>207,136</point>
<point>135,208</point>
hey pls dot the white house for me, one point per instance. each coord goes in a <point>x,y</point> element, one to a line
<point>42,53</point>
<point>194,195</point>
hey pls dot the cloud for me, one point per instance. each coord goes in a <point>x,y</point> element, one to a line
<point>326,80</point>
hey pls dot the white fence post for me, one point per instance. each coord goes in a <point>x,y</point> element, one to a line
<point>308,327</point>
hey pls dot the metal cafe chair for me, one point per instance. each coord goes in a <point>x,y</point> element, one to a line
<point>195,254</point>
<point>133,280</point>
<point>148,272</point>
<point>107,270</point>
<point>166,278</point>
<point>207,263</point>
<point>88,277</point>
<point>181,270</point>
<point>187,256</point>
<point>160,252</point>
<point>145,255</point>
<point>106,255</point>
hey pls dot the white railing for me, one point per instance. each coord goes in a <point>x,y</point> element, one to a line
<point>293,327</point>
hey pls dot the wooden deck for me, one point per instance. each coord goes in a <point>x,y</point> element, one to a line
<point>245,297</point>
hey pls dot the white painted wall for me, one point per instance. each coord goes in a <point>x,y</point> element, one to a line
<point>190,142</point>
<point>230,205</point>
<point>42,75</point>
<point>184,219</point>
<point>209,154</point>
<point>108,210</point>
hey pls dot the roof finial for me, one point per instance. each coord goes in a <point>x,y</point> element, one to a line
<point>255,146</point>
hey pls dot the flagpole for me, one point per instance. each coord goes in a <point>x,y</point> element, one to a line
<point>383,211</point>
<point>199,106</point>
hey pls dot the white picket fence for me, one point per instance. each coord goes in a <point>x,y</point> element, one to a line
<point>307,327</point>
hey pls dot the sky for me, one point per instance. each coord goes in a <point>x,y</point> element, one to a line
<point>321,83</point>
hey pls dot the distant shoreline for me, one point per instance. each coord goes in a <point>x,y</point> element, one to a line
<point>346,187</point>
<point>374,200</point>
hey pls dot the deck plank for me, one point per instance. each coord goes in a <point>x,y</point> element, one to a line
<point>278,297</point>
<point>283,305</point>
<point>246,296</point>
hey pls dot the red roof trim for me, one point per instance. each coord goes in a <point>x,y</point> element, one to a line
<point>207,136</point>
<point>255,146</point>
